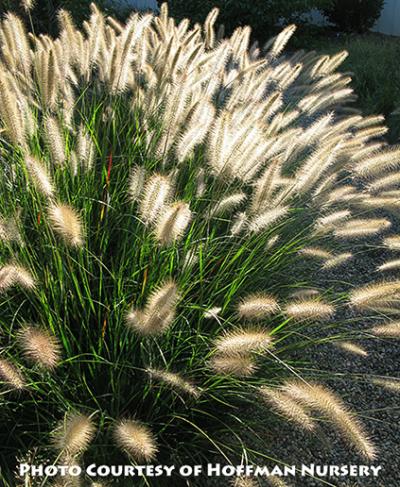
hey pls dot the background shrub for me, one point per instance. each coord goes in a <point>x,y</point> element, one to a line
<point>263,16</point>
<point>354,15</point>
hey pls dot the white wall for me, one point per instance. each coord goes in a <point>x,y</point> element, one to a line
<point>136,4</point>
<point>389,21</point>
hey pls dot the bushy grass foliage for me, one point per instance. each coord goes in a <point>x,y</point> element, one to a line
<point>160,186</point>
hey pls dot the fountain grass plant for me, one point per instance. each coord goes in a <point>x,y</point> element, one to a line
<point>161,190</point>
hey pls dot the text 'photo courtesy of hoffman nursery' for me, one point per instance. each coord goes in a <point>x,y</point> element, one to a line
<point>168,194</point>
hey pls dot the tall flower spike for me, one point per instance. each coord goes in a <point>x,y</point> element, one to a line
<point>325,402</point>
<point>40,347</point>
<point>136,182</point>
<point>257,307</point>
<point>10,374</point>
<point>55,141</point>
<point>74,435</point>
<point>239,365</point>
<point>14,275</point>
<point>310,309</point>
<point>175,381</point>
<point>66,222</point>
<point>40,176</point>
<point>156,194</point>
<point>287,407</point>
<point>136,440</point>
<point>158,313</point>
<point>243,341</point>
<point>172,223</point>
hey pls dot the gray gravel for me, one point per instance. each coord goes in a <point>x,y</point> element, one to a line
<point>352,377</point>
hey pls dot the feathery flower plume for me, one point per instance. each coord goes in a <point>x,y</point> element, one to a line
<point>282,39</point>
<point>388,330</point>
<point>310,309</point>
<point>40,177</point>
<point>239,365</point>
<point>362,227</point>
<point>172,223</point>
<point>159,312</point>
<point>14,275</point>
<point>85,148</point>
<point>393,243</point>
<point>40,346</point>
<point>11,375</point>
<point>379,163</point>
<point>390,384</point>
<point>276,481</point>
<point>136,182</point>
<point>326,223</point>
<point>155,196</point>
<point>325,402</point>
<point>377,295</point>
<point>385,182</point>
<point>244,482</point>
<point>55,141</point>
<point>315,252</point>
<point>226,204</point>
<point>74,434</point>
<point>287,407</point>
<point>352,348</point>
<point>28,5</point>
<point>267,219</point>
<point>242,341</point>
<point>257,307</point>
<point>136,440</point>
<point>10,113</point>
<point>66,222</point>
<point>389,265</point>
<point>337,260</point>
<point>175,381</point>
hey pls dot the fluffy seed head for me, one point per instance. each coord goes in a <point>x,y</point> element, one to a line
<point>240,365</point>
<point>11,375</point>
<point>74,435</point>
<point>391,329</point>
<point>136,440</point>
<point>159,312</point>
<point>353,348</point>
<point>287,407</point>
<point>156,194</point>
<point>337,260</point>
<point>243,341</point>
<point>172,223</point>
<point>309,310</point>
<point>389,265</point>
<point>175,381</point>
<point>326,403</point>
<point>376,295</point>
<point>40,177</point>
<point>136,182</point>
<point>257,307</point>
<point>244,482</point>
<point>66,222</point>
<point>40,347</point>
<point>15,275</point>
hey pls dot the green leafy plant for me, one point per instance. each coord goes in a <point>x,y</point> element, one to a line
<point>161,191</point>
<point>354,15</point>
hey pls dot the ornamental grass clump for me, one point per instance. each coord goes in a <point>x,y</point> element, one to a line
<point>164,194</point>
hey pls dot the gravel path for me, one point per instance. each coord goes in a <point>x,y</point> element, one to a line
<point>354,378</point>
